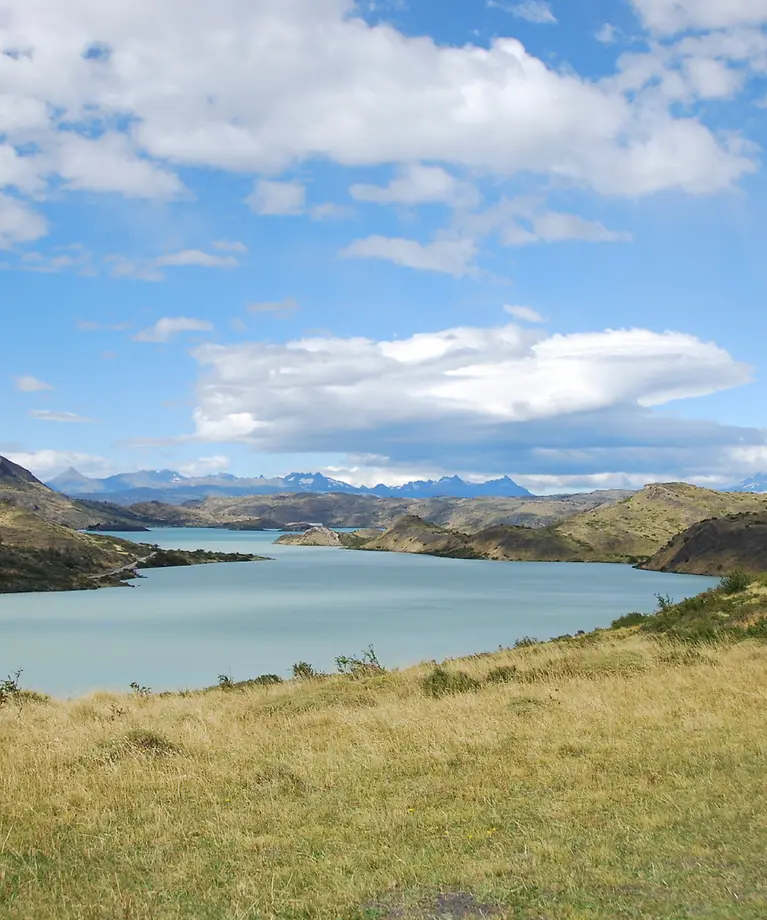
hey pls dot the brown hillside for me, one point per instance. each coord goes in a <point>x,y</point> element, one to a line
<point>717,546</point>
<point>642,524</point>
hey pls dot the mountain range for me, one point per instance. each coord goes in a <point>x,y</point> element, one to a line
<point>173,488</point>
<point>756,483</point>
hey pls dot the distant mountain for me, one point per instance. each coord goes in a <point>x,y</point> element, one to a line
<point>453,487</point>
<point>757,483</point>
<point>171,487</point>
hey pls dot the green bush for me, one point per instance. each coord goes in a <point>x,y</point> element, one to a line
<point>629,619</point>
<point>9,688</point>
<point>442,682</point>
<point>266,680</point>
<point>363,666</point>
<point>664,602</point>
<point>735,582</point>
<point>526,642</point>
<point>302,670</point>
<point>503,674</point>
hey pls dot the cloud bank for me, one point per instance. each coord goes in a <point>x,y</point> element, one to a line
<point>498,399</point>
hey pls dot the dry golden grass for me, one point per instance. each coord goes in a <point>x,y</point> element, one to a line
<point>613,778</point>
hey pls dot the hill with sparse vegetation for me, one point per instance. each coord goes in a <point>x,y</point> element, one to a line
<point>715,546</point>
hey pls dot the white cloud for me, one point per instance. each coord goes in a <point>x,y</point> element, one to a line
<point>230,246</point>
<point>204,466</point>
<point>122,267</point>
<point>525,314</point>
<point>471,398</point>
<point>195,257</point>
<point>524,220</point>
<point>257,86</point>
<point>278,198</point>
<point>279,307</point>
<point>552,227</point>
<point>452,257</point>
<point>417,184</point>
<point>169,326</point>
<point>18,222</point>
<point>607,34</point>
<point>538,11</point>
<point>29,384</point>
<point>672,16</point>
<point>47,415</point>
<point>45,464</point>
<point>110,164</point>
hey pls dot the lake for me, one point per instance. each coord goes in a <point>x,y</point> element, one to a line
<point>181,628</point>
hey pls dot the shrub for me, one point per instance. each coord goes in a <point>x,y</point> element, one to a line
<point>139,690</point>
<point>629,619</point>
<point>366,664</point>
<point>526,642</point>
<point>302,670</point>
<point>140,741</point>
<point>442,682</point>
<point>265,680</point>
<point>9,688</point>
<point>664,602</point>
<point>503,674</point>
<point>757,630</point>
<point>225,682</point>
<point>735,582</point>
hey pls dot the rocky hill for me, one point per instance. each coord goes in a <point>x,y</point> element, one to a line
<point>716,547</point>
<point>39,555</point>
<point>20,488</point>
<point>411,534</point>
<point>629,531</point>
<point>640,525</point>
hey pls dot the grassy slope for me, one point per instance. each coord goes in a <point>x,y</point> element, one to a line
<point>36,554</point>
<point>616,776</point>
<point>716,546</point>
<point>644,523</point>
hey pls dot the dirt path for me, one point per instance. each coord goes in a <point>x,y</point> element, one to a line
<point>123,568</point>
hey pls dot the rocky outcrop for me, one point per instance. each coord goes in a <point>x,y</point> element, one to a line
<point>716,547</point>
<point>317,536</point>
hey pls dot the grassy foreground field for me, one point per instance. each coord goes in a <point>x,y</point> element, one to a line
<point>618,775</point>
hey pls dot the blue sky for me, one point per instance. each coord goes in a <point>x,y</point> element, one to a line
<point>385,240</point>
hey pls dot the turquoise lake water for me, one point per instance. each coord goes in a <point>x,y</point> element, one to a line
<point>180,628</point>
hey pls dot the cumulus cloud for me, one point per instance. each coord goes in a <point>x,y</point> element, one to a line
<point>496,399</point>
<point>278,198</point>
<point>47,415</point>
<point>110,163</point>
<point>451,257</point>
<point>305,80</point>
<point>169,326</point>
<point>19,223</point>
<point>525,314</point>
<point>672,16</point>
<point>418,184</point>
<point>607,34</point>
<point>29,384</point>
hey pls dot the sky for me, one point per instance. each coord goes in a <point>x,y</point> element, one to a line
<point>385,240</point>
